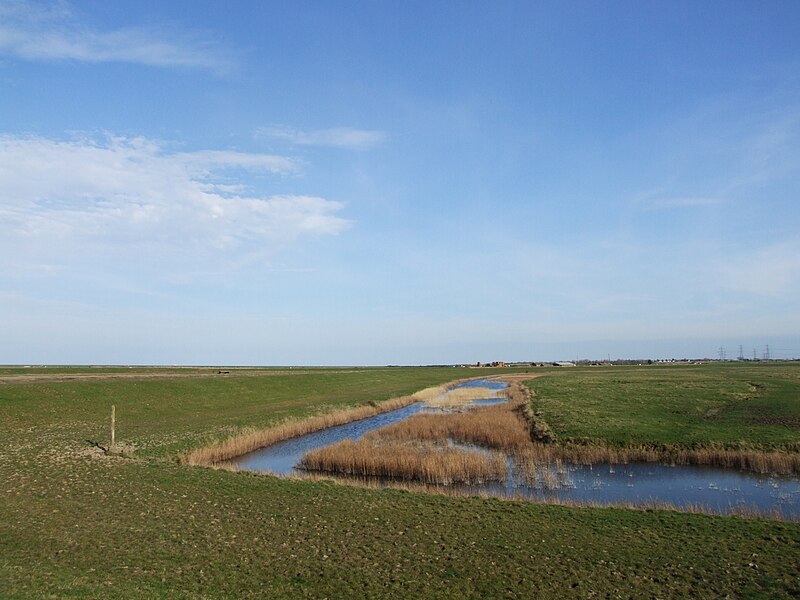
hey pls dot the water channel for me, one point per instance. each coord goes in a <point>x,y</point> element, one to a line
<point>714,489</point>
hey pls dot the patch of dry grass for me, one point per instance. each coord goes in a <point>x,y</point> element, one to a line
<point>498,427</point>
<point>461,396</point>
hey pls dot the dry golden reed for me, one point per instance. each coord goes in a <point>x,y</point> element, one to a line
<point>461,396</point>
<point>414,449</point>
<point>498,427</point>
<point>781,463</point>
<point>423,463</point>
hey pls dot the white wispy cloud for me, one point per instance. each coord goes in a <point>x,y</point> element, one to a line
<point>131,198</point>
<point>340,137</point>
<point>36,31</point>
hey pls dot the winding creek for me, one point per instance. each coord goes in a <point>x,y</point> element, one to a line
<point>714,489</point>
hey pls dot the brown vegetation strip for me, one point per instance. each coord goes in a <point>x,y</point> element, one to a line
<point>498,427</point>
<point>791,422</point>
<point>424,463</point>
<point>414,449</point>
<point>781,463</point>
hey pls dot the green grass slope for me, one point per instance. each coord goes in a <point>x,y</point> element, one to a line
<point>755,406</point>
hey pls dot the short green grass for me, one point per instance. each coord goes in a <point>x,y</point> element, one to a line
<point>73,525</point>
<point>752,406</point>
<point>163,416</point>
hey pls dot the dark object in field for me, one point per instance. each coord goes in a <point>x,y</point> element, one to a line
<point>97,445</point>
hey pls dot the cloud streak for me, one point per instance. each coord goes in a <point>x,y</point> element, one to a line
<point>338,137</point>
<point>130,198</point>
<point>38,32</point>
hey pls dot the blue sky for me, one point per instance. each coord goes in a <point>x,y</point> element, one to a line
<point>397,183</point>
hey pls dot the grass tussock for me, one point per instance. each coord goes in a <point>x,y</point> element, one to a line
<point>260,438</point>
<point>424,463</point>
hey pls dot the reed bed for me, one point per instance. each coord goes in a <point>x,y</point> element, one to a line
<point>542,475</point>
<point>414,449</point>
<point>498,427</point>
<point>431,393</point>
<point>250,440</point>
<point>460,396</point>
<point>424,463</point>
<point>779,463</point>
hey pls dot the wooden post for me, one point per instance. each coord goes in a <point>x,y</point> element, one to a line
<point>113,423</point>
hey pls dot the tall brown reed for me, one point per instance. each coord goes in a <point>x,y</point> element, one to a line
<point>497,427</point>
<point>781,463</point>
<point>424,463</point>
<point>463,395</point>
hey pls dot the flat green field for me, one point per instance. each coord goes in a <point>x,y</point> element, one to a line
<point>75,524</point>
<point>737,406</point>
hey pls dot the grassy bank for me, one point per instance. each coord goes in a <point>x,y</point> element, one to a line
<point>742,417</point>
<point>750,407</point>
<point>77,524</point>
<point>163,416</point>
